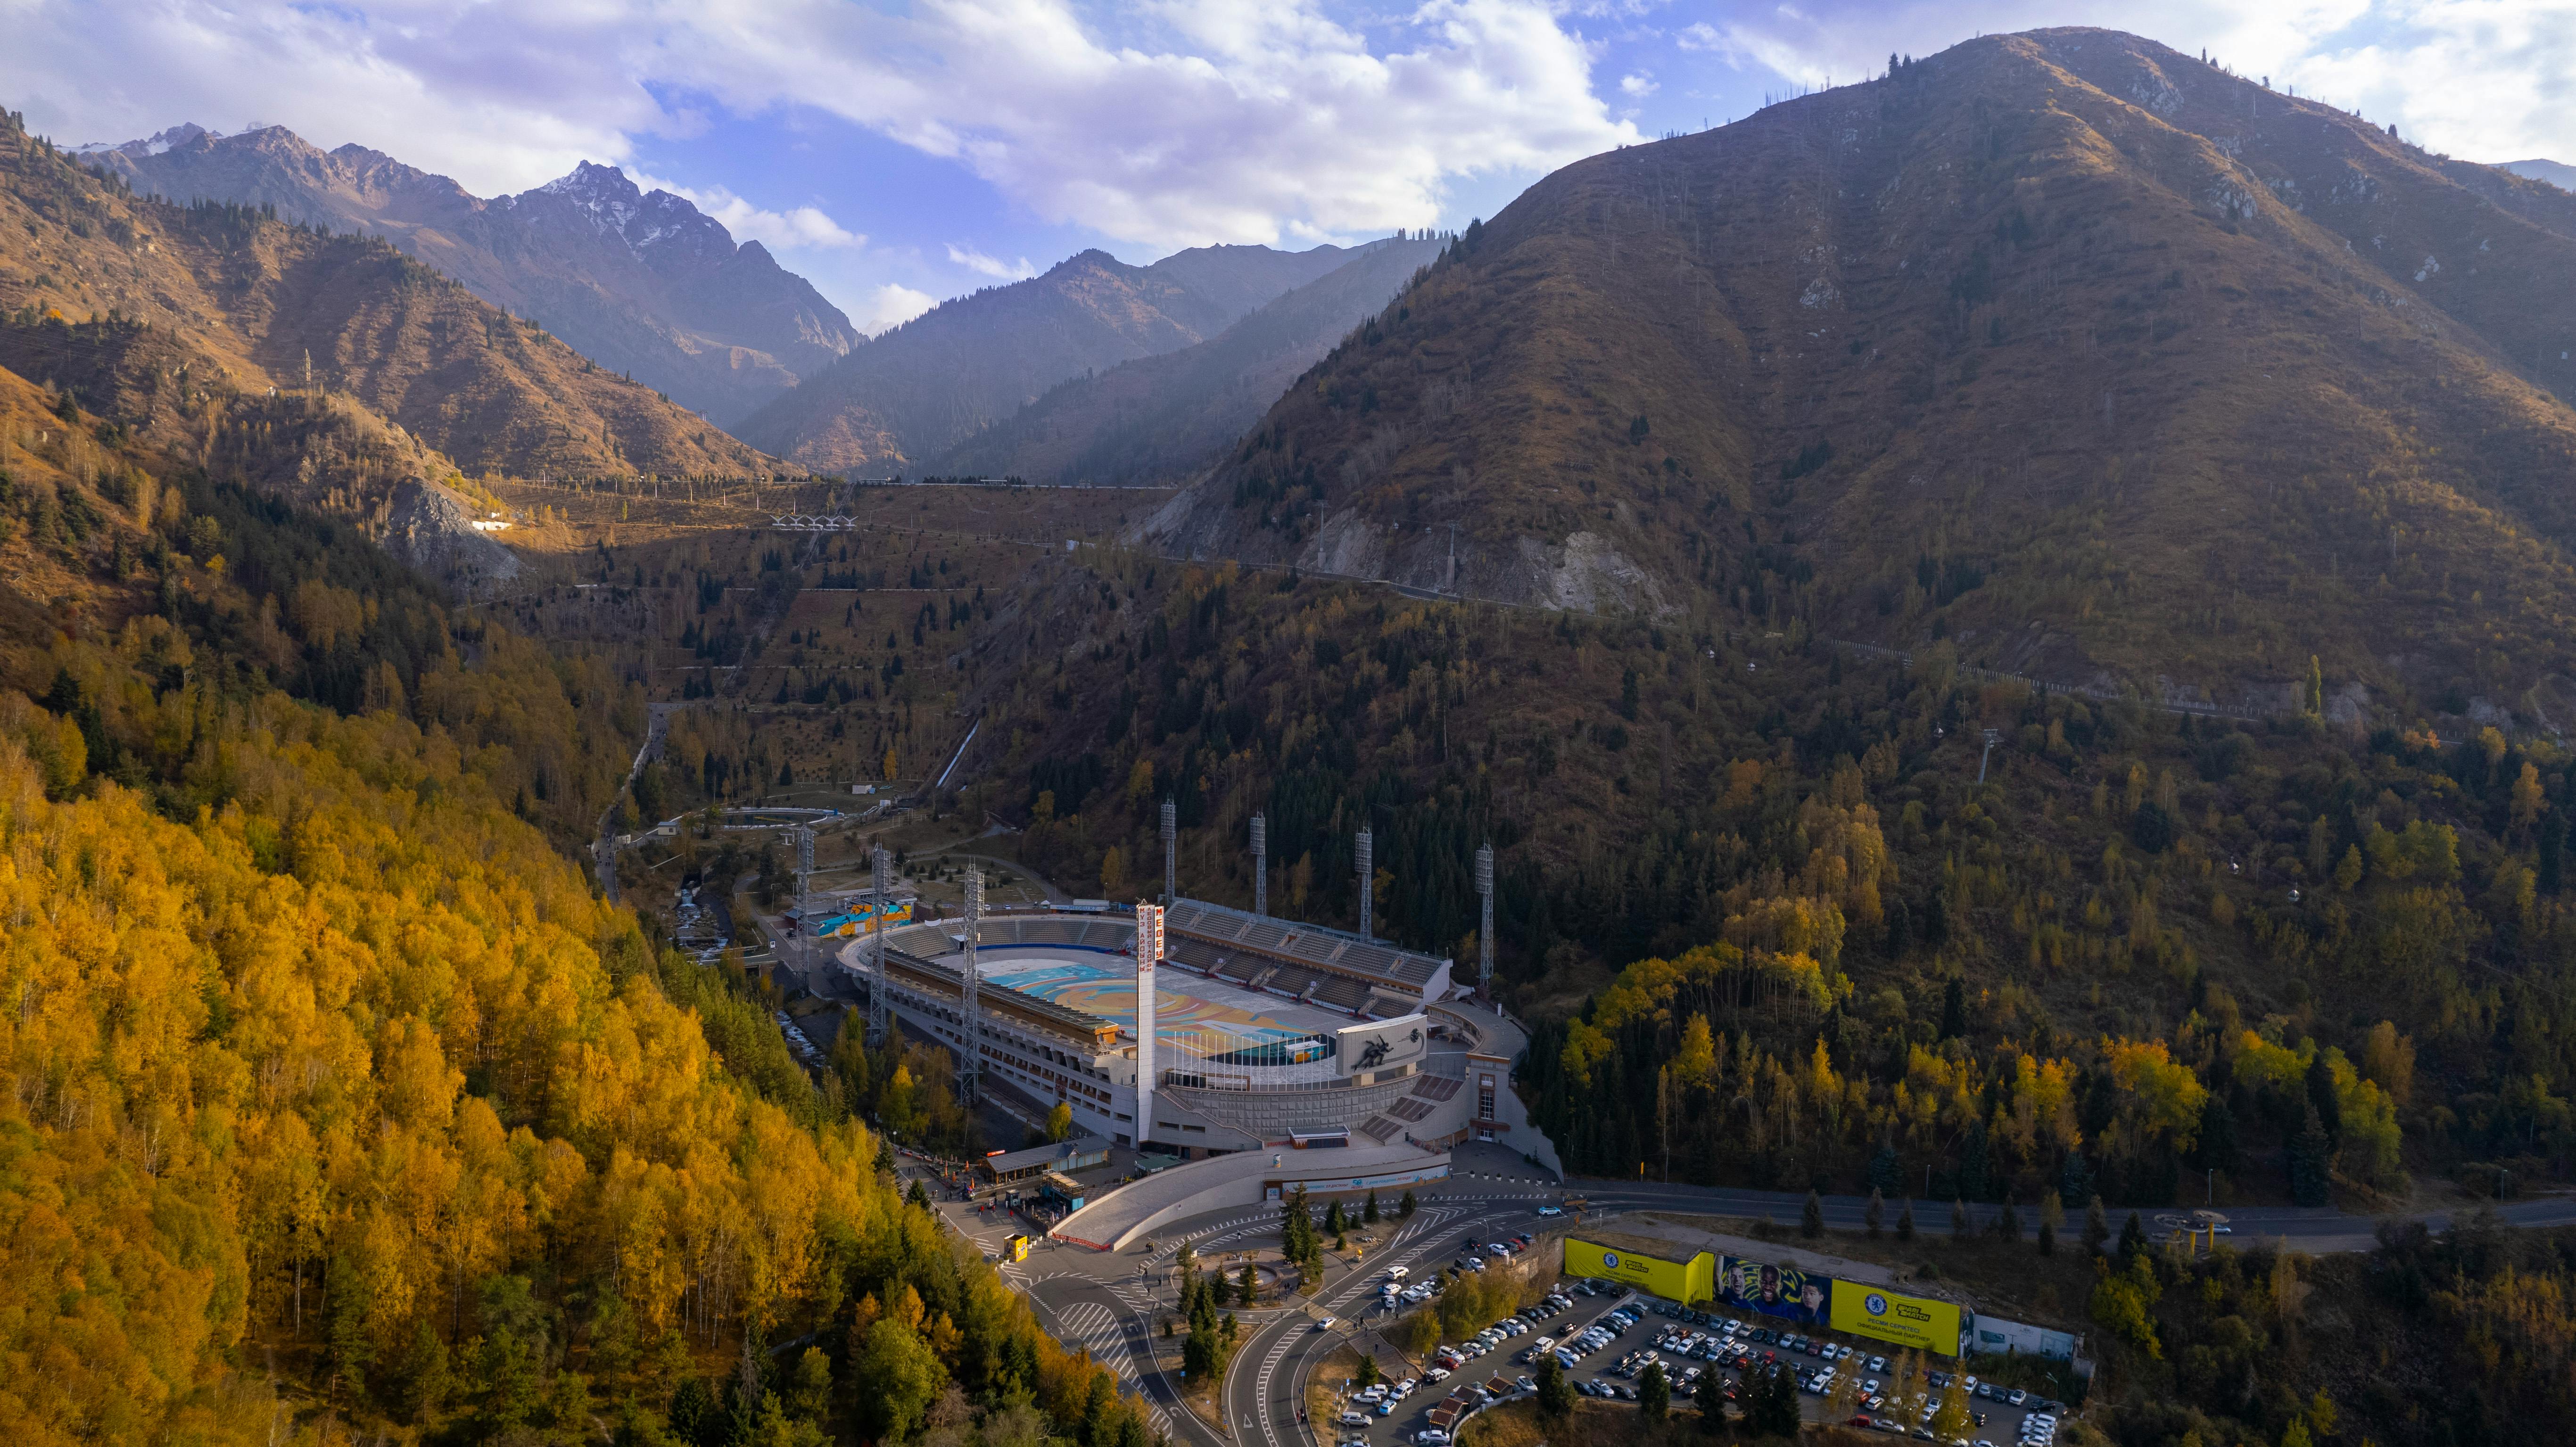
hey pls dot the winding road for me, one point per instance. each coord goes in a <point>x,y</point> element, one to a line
<point>1111,1303</point>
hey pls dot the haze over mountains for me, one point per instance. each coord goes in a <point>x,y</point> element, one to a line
<point>927,385</point>
<point>2556,173</point>
<point>640,283</point>
<point>2096,358</point>
<point>1165,417</point>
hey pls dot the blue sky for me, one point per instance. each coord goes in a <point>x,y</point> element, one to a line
<point>901,152</point>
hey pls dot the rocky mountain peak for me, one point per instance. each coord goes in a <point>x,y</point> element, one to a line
<point>643,220</point>
<point>153,145</point>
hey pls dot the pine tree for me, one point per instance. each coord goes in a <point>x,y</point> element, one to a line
<point>1654,1394</point>
<point>1905,1221</point>
<point>2097,1226</point>
<point>2325,1102</point>
<point>1368,1212</point>
<point>1954,1009</point>
<point>1811,1216</point>
<point>1874,1213</point>
<point>1404,1208</point>
<point>1555,1395</point>
<point>1958,1219</point>
<point>2311,1183</point>
<point>2133,1238</point>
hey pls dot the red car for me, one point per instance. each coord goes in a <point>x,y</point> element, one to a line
<point>1860,1419</point>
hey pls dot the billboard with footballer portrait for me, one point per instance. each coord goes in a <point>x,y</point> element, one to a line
<point>1782,1292</point>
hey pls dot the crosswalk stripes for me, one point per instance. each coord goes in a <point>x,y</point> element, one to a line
<point>1097,1328</point>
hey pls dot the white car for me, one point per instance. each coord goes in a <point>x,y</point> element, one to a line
<point>1398,1273</point>
<point>1551,1210</point>
<point>1431,1437</point>
<point>1325,1323</point>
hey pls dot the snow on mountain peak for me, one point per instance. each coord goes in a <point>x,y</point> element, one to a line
<point>178,135</point>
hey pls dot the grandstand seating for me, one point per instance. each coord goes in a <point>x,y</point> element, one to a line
<point>1378,1128</point>
<point>1411,1108</point>
<point>1438,1087</point>
<point>1341,993</point>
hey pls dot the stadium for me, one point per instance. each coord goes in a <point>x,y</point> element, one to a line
<point>1263,1029</point>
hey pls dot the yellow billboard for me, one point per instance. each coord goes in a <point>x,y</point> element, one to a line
<point>1682,1281</point>
<point>1907,1321</point>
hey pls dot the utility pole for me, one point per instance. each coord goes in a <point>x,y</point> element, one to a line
<point>1993,737</point>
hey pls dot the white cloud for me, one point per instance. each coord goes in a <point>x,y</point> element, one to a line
<point>2482,78</point>
<point>1637,87</point>
<point>1196,121</point>
<point>992,266</point>
<point>797,227</point>
<point>891,305</point>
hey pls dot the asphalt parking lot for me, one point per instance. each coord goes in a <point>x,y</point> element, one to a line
<point>1601,1370</point>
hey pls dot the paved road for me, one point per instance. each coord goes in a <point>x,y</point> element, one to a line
<point>2313,1230</point>
<point>1112,1302</point>
<point>603,850</point>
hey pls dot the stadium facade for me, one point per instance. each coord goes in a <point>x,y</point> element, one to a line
<point>1254,1029</point>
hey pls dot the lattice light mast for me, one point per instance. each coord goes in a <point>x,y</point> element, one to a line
<point>880,1015</point>
<point>805,875</point>
<point>1149,953</point>
<point>1260,865</point>
<point>1367,865</point>
<point>1171,853</point>
<point>970,1058</point>
<point>1485,928</point>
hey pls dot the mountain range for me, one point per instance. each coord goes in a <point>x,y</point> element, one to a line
<point>2104,363</point>
<point>1166,417</point>
<point>2556,173</point>
<point>205,326</point>
<point>926,386</point>
<point>638,282</point>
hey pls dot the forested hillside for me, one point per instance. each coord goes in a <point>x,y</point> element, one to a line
<point>340,1106</point>
<point>2146,944</point>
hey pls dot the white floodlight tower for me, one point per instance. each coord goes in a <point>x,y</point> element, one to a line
<point>1485,929</point>
<point>1260,865</point>
<point>970,1058</point>
<point>1149,953</point>
<point>1171,855</point>
<point>1367,866</point>
<point>880,1013</point>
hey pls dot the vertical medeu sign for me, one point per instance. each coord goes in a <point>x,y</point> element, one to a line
<point>1149,953</point>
